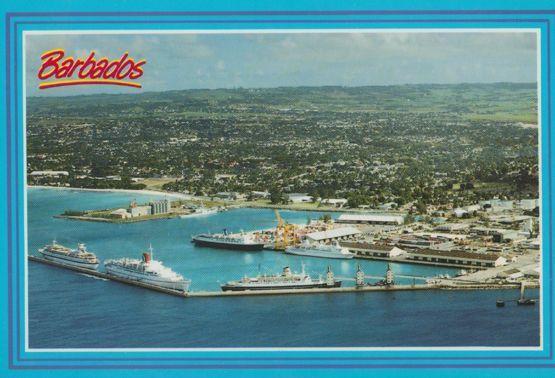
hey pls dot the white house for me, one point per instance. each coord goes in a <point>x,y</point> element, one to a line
<point>299,197</point>
<point>337,202</point>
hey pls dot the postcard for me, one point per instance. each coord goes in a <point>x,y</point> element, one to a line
<point>298,189</point>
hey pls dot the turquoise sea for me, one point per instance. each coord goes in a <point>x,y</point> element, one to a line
<point>100,313</point>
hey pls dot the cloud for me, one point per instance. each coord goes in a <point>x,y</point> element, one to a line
<point>183,61</point>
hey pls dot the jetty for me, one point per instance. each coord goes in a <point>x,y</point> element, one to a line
<point>207,294</point>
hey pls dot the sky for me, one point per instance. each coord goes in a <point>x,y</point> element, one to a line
<point>254,60</point>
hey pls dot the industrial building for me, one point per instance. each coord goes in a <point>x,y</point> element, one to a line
<point>457,258</point>
<point>342,233</point>
<point>120,213</point>
<point>140,211</point>
<point>160,207</point>
<point>374,219</point>
<point>374,251</point>
<point>452,227</point>
<point>424,241</point>
<point>499,235</point>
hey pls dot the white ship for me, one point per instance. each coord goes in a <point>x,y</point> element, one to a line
<point>287,280</point>
<point>201,211</point>
<point>242,241</point>
<point>334,251</point>
<point>148,271</point>
<point>79,257</point>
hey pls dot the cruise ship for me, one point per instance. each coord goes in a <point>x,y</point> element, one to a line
<point>285,281</point>
<point>79,257</point>
<point>147,270</point>
<point>242,241</point>
<point>332,251</point>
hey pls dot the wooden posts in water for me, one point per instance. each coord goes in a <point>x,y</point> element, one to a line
<point>522,301</point>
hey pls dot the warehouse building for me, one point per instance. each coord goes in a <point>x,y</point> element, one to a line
<point>374,219</point>
<point>452,227</point>
<point>140,211</point>
<point>425,242</point>
<point>457,258</point>
<point>342,233</point>
<point>374,251</point>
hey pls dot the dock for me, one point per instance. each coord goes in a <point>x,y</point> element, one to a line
<point>212,294</point>
<point>346,289</point>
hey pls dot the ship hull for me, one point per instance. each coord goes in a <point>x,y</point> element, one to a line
<point>194,215</point>
<point>316,253</point>
<point>68,260</point>
<point>155,281</point>
<point>223,245</point>
<point>280,287</point>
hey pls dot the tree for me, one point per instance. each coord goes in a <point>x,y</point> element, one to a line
<point>277,197</point>
<point>421,207</point>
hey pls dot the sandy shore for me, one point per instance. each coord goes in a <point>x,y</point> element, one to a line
<point>129,191</point>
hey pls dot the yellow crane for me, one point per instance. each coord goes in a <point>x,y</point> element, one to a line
<point>279,219</point>
<point>285,234</point>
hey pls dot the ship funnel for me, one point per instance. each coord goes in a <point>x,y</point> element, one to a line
<point>286,271</point>
<point>146,257</point>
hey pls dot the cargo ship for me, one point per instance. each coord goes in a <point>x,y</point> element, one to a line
<point>242,241</point>
<point>333,251</point>
<point>147,270</point>
<point>287,280</point>
<point>79,257</point>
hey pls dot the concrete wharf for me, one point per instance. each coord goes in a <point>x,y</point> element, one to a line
<point>199,294</point>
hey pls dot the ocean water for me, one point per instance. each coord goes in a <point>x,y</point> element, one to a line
<point>99,313</point>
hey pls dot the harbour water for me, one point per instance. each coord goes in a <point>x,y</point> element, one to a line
<point>98,313</point>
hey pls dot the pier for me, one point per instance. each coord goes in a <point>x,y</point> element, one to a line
<point>207,294</point>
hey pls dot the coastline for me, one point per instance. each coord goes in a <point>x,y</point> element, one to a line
<point>129,191</point>
<point>228,204</point>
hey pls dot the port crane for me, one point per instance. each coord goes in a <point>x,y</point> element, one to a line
<point>285,234</point>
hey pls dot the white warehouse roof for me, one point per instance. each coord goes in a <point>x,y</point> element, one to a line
<point>333,234</point>
<point>371,218</point>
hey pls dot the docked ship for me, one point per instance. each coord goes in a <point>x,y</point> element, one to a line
<point>242,241</point>
<point>147,270</point>
<point>285,281</point>
<point>201,211</point>
<point>329,251</point>
<point>79,257</point>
